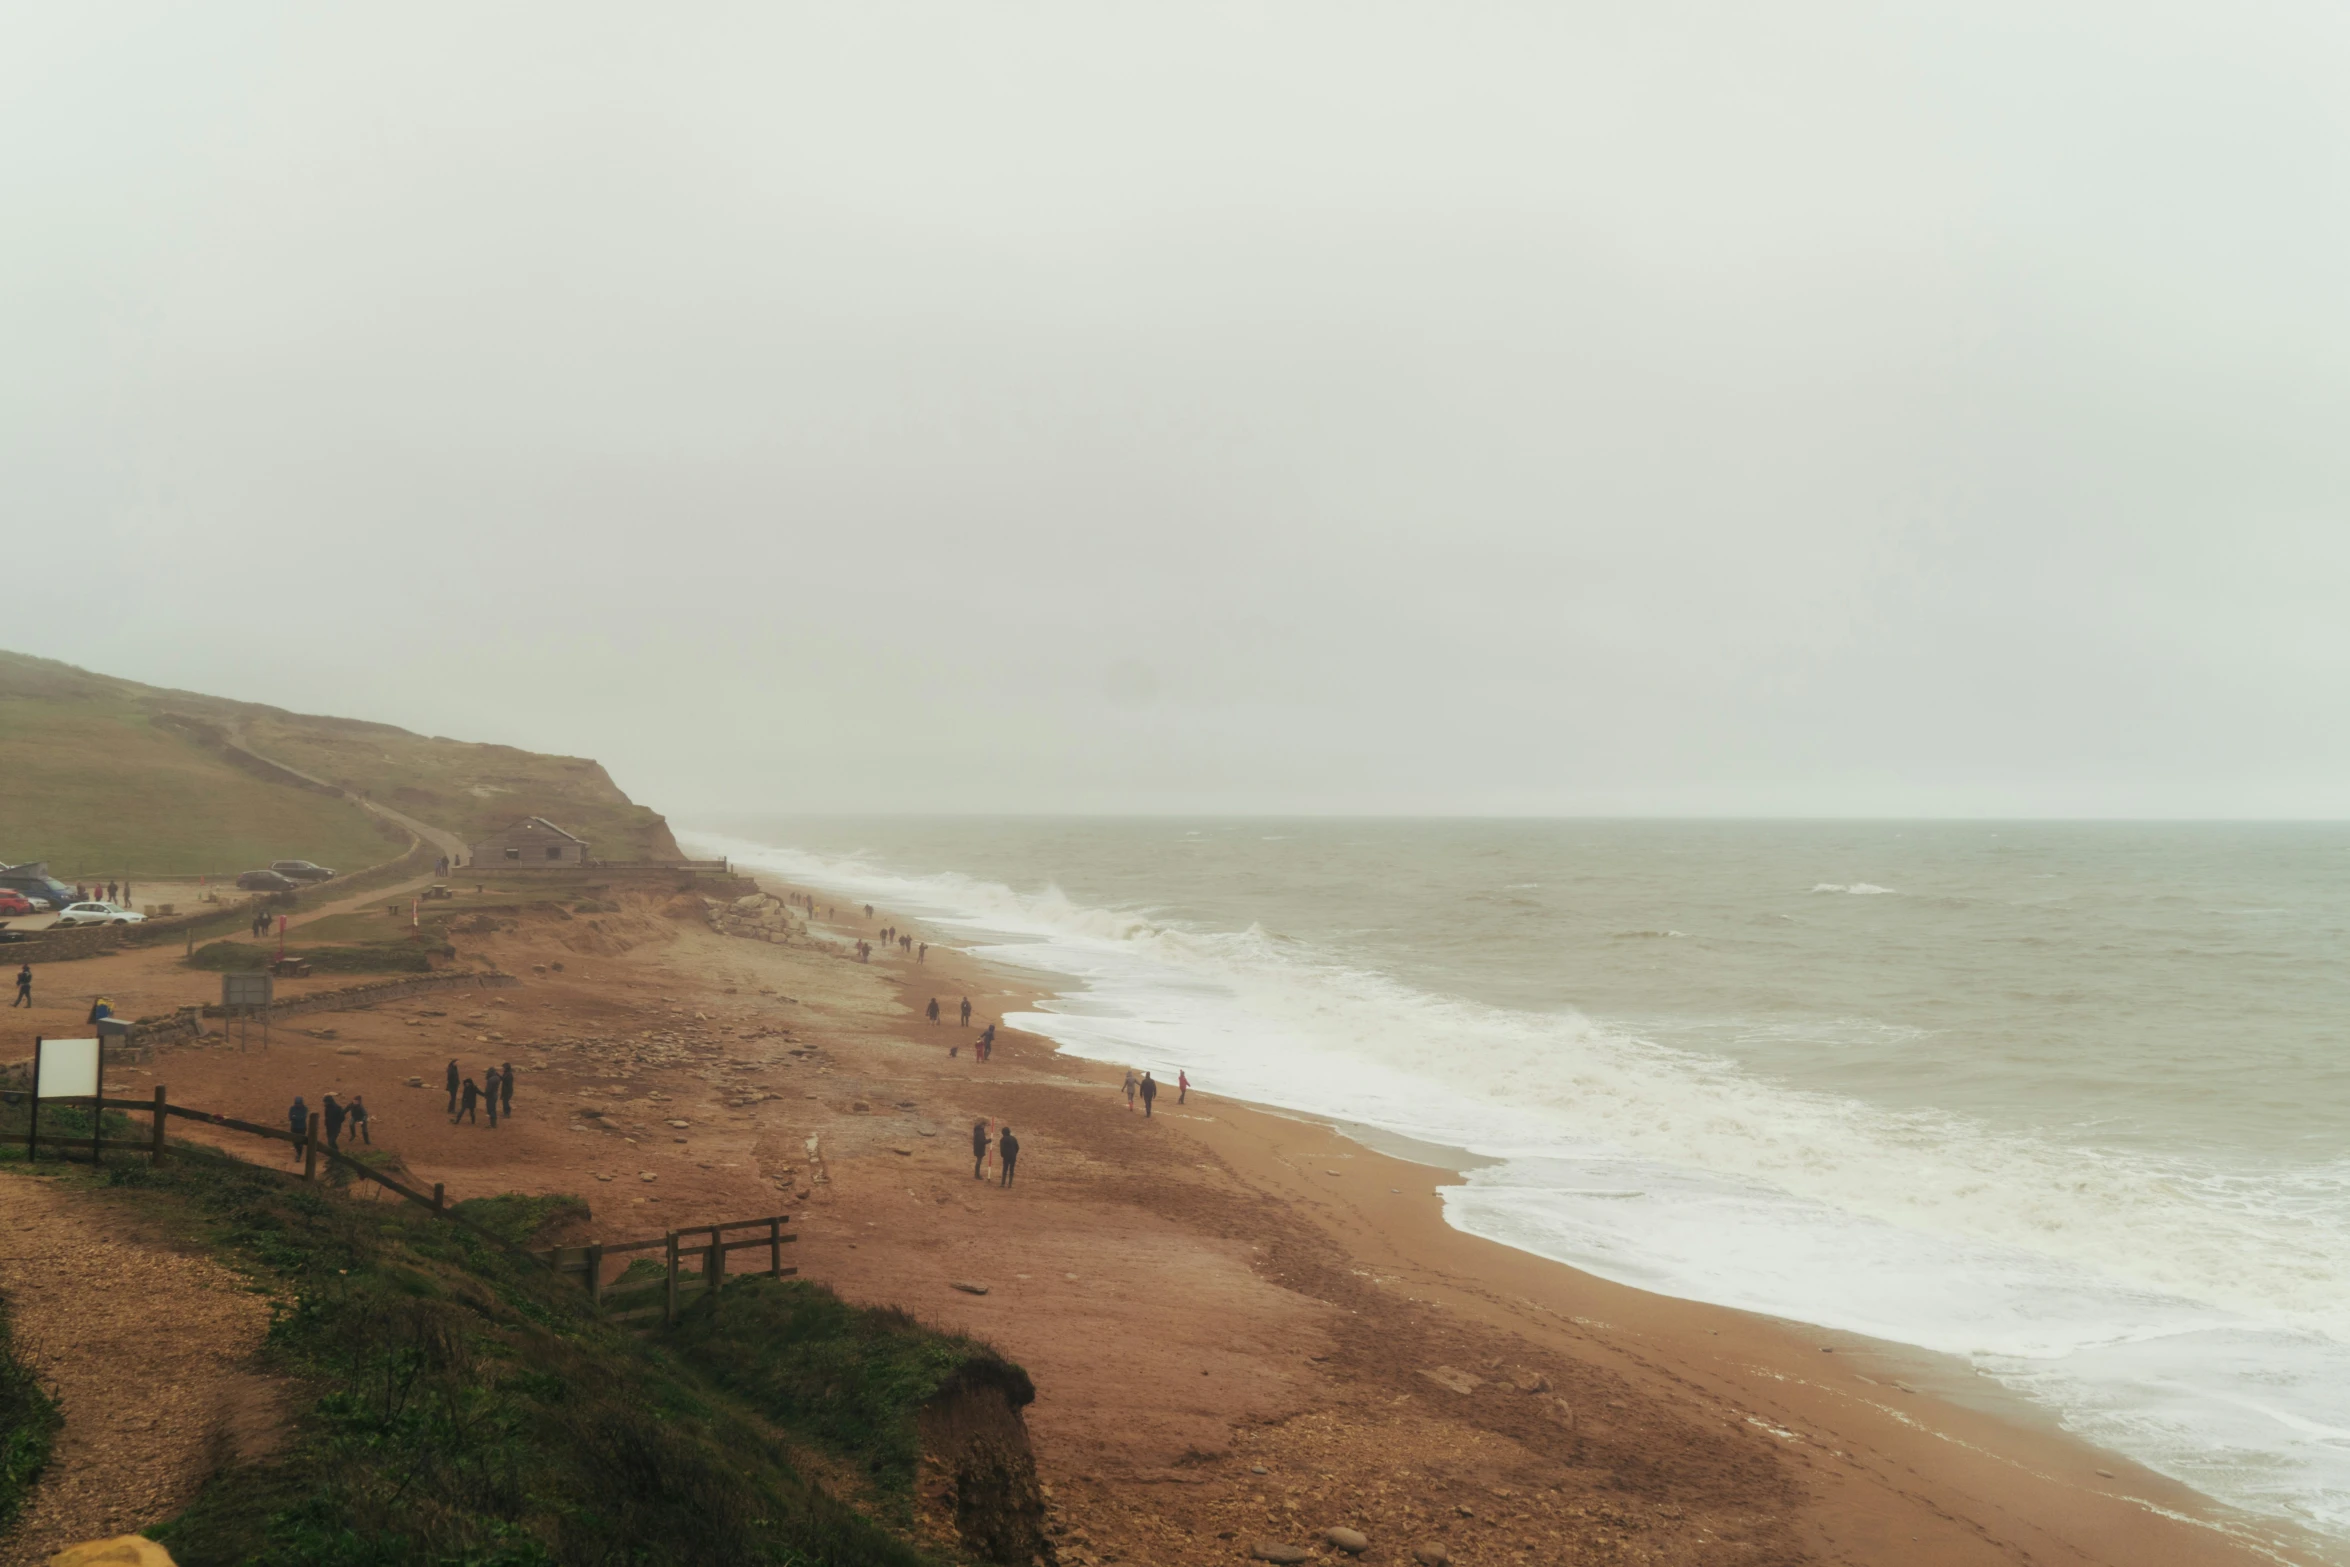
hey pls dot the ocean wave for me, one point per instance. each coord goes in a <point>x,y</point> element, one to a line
<point>1861,889</point>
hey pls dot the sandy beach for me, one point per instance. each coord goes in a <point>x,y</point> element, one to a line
<point>1244,1327</point>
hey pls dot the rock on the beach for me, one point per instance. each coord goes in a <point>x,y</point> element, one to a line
<point>967,1287</point>
<point>1431,1555</point>
<point>1275,1551</point>
<point>1455,1381</point>
<point>1530,1382</point>
<point>1352,1541</point>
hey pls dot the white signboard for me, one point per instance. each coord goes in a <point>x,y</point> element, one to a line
<point>69,1069</point>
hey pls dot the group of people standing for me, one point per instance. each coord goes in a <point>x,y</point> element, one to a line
<point>1146,1089</point>
<point>466,1096</point>
<point>989,1147</point>
<point>333,1117</point>
<point>94,893</point>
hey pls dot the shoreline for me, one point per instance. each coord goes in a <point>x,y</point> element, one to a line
<point>1883,1394</point>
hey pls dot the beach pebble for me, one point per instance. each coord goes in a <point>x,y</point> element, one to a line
<point>603,1177</point>
<point>646,1175</point>
<point>681,1123</point>
<point>2105,1474</point>
<point>903,1153</point>
<point>1275,1551</point>
<point>967,1287</point>
<point>1258,1469</point>
<point>1352,1541</point>
<point>416,1082</point>
<point>1431,1556</point>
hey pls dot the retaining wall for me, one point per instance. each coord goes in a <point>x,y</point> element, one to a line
<point>350,998</point>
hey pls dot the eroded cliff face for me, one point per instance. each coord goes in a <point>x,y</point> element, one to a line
<point>978,1468</point>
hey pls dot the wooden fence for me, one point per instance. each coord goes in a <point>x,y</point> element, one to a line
<point>710,1255</point>
<point>563,1260</point>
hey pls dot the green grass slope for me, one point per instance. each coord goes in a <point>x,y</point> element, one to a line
<point>100,775</point>
<point>93,787</point>
<point>460,1407</point>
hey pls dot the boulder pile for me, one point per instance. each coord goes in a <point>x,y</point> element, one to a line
<point>758,917</point>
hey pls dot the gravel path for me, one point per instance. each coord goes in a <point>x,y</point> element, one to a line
<point>148,1352</point>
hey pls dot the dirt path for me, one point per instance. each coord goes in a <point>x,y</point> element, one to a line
<point>148,1352</point>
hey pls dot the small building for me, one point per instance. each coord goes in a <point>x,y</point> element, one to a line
<point>531,841</point>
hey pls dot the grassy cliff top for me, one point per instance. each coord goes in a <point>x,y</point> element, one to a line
<point>105,776</point>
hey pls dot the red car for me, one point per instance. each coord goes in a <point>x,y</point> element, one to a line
<point>12,902</point>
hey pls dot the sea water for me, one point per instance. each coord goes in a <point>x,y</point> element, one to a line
<point>2067,1101</point>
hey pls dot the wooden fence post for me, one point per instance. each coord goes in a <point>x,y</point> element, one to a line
<point>774,1245</point>
<point>32,1113</point>
<point>310,1147</point>
<point>155,1146</point>
<point>669,1306</point>
<point>714,1270</point>
<point>438,1203</point>
<point>595,1278</point>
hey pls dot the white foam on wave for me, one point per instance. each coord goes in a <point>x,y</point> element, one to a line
<point>2192,1317</point>
<point>1856,888</point>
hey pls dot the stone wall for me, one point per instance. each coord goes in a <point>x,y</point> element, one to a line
<point>62,946</point>
<point>350,998</point>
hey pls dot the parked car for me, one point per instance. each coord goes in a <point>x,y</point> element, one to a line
<point>14,902</point>
<point>98,914</point>
<point>266,881</point>
<point>41,891</point>
<point>300,870</point>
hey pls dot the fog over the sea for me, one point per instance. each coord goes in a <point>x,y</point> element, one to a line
<point>1817,408</point>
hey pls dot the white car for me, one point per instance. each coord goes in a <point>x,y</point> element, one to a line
<point>99,914</point>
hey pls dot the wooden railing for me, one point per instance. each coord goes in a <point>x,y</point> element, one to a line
<point>562,1260</point>
<point>588,1260</point>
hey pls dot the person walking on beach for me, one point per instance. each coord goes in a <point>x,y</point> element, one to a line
<point>966,1011</point>
<point>1129,1090</point>
<point>978,1147</point>
<point>1182,1084</point>
<point>922,953</point>
<point>298,1120</point>
<point>334,1124</point>
<point>987,1042</point>
<point>452,1088</point>
<point>933,1011</point>
<point>359,1120</point>
<point>470,1094</point>
<point>24,987</point>
<point>489,1091</point>
<point>1009,1147</point>
<point>506,1090</point>
<point>1149,1092</point>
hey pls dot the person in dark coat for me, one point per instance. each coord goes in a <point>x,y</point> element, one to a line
<point>1007,1149</point>
<point>978,1147</point>
<point>467,1095</point>
<point>358,1113</point>
<point>334,1123</point>
<point>1150,1091</point>
<point>489,1091</point>
<point>452,1085</point>
<point>298,1120</point>
<point>506,1089</point>
<point>24,987</point>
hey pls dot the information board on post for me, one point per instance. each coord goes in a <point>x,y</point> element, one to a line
<point>68,1069</point>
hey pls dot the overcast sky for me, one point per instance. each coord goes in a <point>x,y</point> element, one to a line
<point>1580,407</point>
